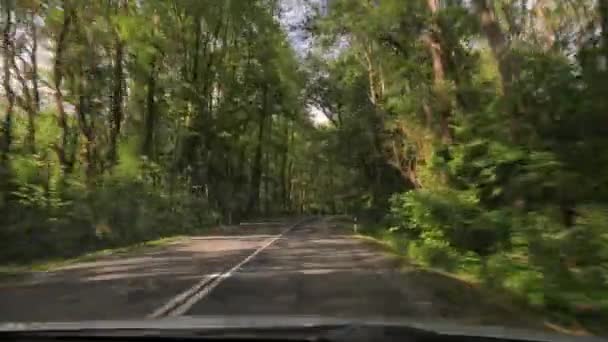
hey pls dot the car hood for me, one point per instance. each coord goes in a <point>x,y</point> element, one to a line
<point>210,324</point>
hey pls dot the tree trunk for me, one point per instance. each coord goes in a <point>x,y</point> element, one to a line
<point>332,190</point>
<point>256,169</point>
<point>62,119</point>
<point>266,182</point>
<point>267,173</point>
<point>284,158</point>
<point>433,42</point>
<point>34,62</point>
<point>377,124</point>
<point>116,115</point>
<point>35,106</point>
<point>542,26</point>
<point>499,45</point>
<point>290,175</point>
<point>197,48</point>
<point>497,40</point>
<point>8,58</point>
<point>25,100</point>
<point>86,125</point>
<point>150,121</point>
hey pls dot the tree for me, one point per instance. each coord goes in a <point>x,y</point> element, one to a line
<point>181,104</point>
<point>8,57</point>
<point>469,183</point>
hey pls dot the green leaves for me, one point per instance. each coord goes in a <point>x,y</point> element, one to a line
<point>524,97</point>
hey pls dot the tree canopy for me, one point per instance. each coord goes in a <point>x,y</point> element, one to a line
<point>475,132</point>
<point>138,116</point>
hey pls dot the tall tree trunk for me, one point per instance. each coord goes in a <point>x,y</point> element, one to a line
<point>150,120</point>
<point>433,42</point>
<point>500,46</point>
<point>542,26</point>
<point>34,107</point>
<point>25,100</point>
<point>34,61</point>
<point>284,158</point>
<point>239,185</point>
<point>267,195</point>
<point>83,109</point>
<point>332,186</point>
<point>197,48</point>
<point>8,58</point>
<point>31,128</point>
<point>266,182</point>
<point>256,169</point>
<point>498,41</point>
<point>116,115</point>
<point>290,174</point>
<point>377,121</point>
<point>62,118</point>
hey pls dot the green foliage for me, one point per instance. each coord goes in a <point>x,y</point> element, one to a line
<point>47,219</point>
<point>156,118</point>
<point>450,220</point>
<point>528,254</point>
<point>495,130</point>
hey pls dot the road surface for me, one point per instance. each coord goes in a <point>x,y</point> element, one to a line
<point>291,267</point>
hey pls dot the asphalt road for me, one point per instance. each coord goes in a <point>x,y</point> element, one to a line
<point>316,267</point>
<point>314,270</point>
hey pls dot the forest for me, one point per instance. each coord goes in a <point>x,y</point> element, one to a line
<point>469,136</point>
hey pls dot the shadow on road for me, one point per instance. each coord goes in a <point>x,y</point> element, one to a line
<point>317,270</point>
<point>117,288</point>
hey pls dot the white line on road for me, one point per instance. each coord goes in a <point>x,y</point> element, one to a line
<point>185,300</point>
<point>233,237</point>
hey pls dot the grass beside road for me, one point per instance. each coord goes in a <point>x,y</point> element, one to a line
<point>465,286</point>
<point>469,285</point>
<point>15,271</point>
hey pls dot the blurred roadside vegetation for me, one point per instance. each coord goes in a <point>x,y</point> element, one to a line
<point>479,133</point>
<point>126,121</point>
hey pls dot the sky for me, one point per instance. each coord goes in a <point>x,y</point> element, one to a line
<point>293,14</point>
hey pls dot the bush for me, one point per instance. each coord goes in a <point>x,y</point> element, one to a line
<point>52,218</point>
<point>529,254</point>
<point>434,253</point>
<point>449,218</point>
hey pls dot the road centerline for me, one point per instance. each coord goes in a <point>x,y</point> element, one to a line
<point>181,303</point>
